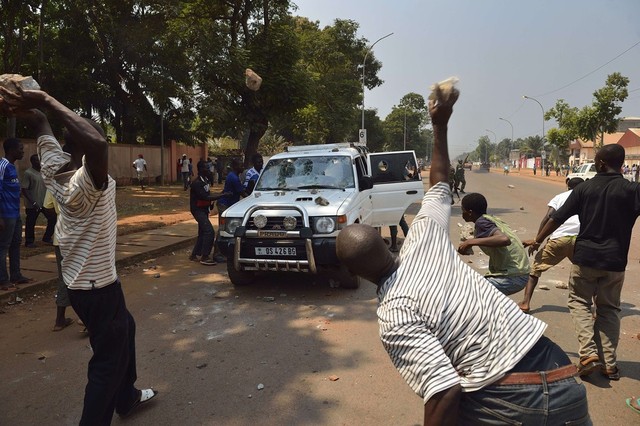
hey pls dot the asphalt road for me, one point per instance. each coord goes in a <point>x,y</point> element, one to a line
<point>208,347</point>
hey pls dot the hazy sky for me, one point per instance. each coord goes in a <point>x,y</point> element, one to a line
<point>500,50</point>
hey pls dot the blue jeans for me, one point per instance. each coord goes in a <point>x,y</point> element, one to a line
<point>10,239</point>
<point>509,285</point>
<point>204,243</point>
<point>559,403</point>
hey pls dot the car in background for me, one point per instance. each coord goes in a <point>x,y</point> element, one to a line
<point>585,171</point>
<point>468,165</point>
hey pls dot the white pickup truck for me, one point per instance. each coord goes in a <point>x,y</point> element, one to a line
<point>302,200</point>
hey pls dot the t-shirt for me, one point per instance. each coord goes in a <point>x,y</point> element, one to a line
<point>87,225</point>
<point>140,164</point>
<point>32,182</point>
<point>441,322</point>
<point>252,174</point>
<point>232,185</point>
<point>571,226</point>
<point>608,206</point>
<point>9,190</point>
<point>511,260</point>
<point>184,165</point>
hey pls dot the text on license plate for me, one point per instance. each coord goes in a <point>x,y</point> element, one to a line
<point>275,251</point>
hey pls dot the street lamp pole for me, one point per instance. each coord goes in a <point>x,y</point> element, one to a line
<point>542,108</point>
<point>511,144</point>
<point>404,134</point>
<point>364,61</point>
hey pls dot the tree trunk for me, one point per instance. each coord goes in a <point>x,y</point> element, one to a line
<point>258,129</point>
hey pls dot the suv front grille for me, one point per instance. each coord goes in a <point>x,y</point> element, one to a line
<point>275,224</point>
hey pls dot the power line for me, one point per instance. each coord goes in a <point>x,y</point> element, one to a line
<point>588,74</point>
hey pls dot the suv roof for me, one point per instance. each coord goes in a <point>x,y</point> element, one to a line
<point>354,149</point>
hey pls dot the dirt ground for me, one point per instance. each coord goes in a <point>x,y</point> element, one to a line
<point>137,211</point>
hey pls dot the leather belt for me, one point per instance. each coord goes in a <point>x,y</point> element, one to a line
<point>551,376</point>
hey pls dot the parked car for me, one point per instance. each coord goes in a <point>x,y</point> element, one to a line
<point>301,201</point>
<point>585,171</point>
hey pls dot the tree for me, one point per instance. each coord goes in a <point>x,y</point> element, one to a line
<point>503,149</point>
<point>407,120</point>
<point>484,150</point>
<point>567,119</point>
<point>533,145</point>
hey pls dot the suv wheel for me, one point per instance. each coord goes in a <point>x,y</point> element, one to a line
<point>239,278</point>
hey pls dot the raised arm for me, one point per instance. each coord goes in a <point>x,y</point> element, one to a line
<point>440,111</point>
<point>91,142</point>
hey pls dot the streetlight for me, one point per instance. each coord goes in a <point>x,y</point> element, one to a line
<point>364,61</point>
<point>510,145</point>
<point>542,108</point>
<point>404,134</point>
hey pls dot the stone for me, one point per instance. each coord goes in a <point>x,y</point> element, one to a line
<point>252,80</point>
<point>334,378</point>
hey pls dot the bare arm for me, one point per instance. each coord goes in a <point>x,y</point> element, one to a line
<point>546,230</point>
<point>93,144</point>
<point>440,113</point>
<point>545,219</point>
<point>497,239</point>
<point>442,408</point>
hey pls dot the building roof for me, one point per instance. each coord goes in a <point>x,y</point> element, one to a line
<point>610,138</point>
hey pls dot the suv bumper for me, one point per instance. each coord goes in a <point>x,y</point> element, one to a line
<point>310,254</point>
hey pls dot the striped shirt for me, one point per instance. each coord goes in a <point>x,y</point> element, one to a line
<point>87,225</point>
<point>440,321</point>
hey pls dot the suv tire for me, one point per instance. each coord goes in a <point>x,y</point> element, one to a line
<point>239,278</point>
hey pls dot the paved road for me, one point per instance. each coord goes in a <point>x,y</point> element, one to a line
<point>207,346</point>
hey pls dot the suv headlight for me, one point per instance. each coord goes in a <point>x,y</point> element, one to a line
<point>324,225</point>
<point>231,223</point>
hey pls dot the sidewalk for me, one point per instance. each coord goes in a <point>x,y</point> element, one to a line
<point>130,249</point>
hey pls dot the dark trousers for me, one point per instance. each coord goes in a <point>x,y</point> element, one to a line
<point>204,243</point>
<point>186,180</point>
<point>112,368</point>
<point>10,239</point>
<point>30,224</point>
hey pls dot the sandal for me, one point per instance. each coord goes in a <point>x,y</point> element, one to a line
<point>588,365</point>
<point>22,280</point>
<point>67,323</point>
<point>611,373</point>
<point>628,400</point>
<point>144,395</point>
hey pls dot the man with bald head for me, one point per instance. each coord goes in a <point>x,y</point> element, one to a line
<point>607,206</point>
<point>456,340</point>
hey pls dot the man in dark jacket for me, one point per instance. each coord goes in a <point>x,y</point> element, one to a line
<point>200,204</point>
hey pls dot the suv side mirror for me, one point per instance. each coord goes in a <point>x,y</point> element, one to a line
<point>364,183</point>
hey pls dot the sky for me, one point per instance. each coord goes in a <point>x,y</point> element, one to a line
<point>500,50</point>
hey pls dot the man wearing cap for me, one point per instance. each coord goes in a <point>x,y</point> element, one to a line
<point>471,354</point>
<point>141,166</point>
<point>184,169</point>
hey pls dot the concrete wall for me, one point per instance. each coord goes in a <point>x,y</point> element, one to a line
<point>121,158</point>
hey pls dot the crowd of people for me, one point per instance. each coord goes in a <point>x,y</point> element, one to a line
<point>470,366</point>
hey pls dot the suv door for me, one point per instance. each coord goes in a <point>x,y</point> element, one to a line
<point>396,185</point>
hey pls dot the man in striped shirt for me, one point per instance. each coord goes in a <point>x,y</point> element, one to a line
<point>457,341</point>
<point>86,233</point>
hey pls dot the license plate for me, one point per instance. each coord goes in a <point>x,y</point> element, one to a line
<point>275,251</point>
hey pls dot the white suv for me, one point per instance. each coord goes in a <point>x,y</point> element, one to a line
<point>585,171</point>
<point>302,200</point>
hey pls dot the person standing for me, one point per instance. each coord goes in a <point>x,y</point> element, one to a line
<point>184,169</point>
<point>219,170</point>
<point>33,191</point>
<point>233,190</point>
<point>10,221</point>
<point>559,246</point>
<point>86,231</point>
<point>200,205</point>
<point>461,182</point>
<point>140,165</point>
<point>608,206</point>
<point>252,175</point>
<point>464,348</point>
<point>508,260</point>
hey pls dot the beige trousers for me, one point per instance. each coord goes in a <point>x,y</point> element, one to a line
<point>597,337</point>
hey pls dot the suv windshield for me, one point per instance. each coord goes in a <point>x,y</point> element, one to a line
<point>306,173</point>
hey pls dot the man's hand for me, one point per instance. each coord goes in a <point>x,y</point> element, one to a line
<point>24,99</point>
<point>439,109</point>
<point>532,244</point>
<point>464,247</point>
